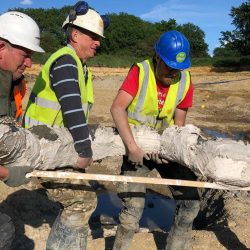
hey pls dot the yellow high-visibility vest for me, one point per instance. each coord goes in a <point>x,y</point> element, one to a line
<point>43,106</point>
<point>143,110</point>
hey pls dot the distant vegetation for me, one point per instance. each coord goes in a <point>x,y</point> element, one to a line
<point>130,39</point>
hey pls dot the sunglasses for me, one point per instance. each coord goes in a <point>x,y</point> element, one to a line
<point>81,8</point>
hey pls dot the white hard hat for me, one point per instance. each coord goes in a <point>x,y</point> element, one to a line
<point>91,21</point>
<point>20,29</point>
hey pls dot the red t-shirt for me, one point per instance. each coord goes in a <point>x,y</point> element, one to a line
<point>131,85</point>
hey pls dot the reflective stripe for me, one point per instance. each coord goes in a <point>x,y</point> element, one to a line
<point>29,122</point>
<point>52,105</point>
<point>143,92</point>
<point>181,89</point>
<point>39,101</point>
<point>86,108</point>
<point>148,120</point>
<point>143,119</point>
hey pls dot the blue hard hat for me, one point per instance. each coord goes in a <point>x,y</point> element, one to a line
<point>173,48</point>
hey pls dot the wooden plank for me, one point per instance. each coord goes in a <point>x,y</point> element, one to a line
<point>131,179</point>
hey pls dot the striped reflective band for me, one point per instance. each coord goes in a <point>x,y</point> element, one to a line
<point>29,122</point>
<point>143,92</point>
<point>181,89</point>
<point>39,101</point>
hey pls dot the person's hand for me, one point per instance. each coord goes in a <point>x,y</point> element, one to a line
<point>157,158</point>
<point>16,175</point>
<point>135,156</point>
<point>83,162</point>
<point>3,173</point>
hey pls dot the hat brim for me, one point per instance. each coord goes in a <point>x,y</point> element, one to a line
<point>180,66</point>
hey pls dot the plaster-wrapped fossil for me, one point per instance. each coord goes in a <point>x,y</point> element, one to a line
<point>221,160</point>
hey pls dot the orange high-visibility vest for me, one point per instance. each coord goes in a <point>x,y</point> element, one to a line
<point>19,93</point>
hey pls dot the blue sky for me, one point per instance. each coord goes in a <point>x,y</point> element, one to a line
<point>211,16</point>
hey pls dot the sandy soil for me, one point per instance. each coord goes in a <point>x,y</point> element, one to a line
<point>221,104</point>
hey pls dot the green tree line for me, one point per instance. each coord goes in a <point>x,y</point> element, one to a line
<point>127,35</point>
<point>129,38</point>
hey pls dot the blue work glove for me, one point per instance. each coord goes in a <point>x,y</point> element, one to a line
<point>17,174</point>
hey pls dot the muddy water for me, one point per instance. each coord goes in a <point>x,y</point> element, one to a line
<point>234,136</point>
<point>158,212</point>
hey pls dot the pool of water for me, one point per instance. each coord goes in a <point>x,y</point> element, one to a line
<point>158,211</point>
<point>235,136</point>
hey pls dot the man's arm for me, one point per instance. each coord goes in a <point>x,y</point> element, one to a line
<point>180,117</point>
<point>64,81</point>
<point>120,117</point>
